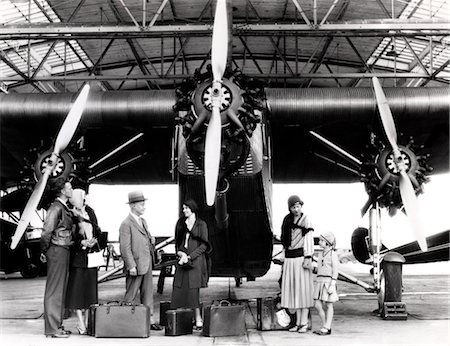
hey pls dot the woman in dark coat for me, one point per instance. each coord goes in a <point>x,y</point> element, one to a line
<point>192,273</point>
<point>82,288</point>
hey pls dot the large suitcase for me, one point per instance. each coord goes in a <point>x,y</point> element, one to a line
<point>224,320</point>
<point>267,316</point>
<point>179,322</point>
<point>115,320</point>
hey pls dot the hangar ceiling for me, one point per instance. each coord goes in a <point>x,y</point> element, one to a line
<point>49,46</point>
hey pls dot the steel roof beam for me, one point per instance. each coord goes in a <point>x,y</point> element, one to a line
<point>251,75</point>
<point>403,27</point>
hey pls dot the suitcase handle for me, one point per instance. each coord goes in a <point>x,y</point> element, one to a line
<point>113,302</point>
<point>224,301</point>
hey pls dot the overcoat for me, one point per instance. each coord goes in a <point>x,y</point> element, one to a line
<point>136,247</point>
<point>199,274</point>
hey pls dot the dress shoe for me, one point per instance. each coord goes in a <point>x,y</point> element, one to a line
<point>155,326</point>
<point>323,331</point>
<point>59,334</point>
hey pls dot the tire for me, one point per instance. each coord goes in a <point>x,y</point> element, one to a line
<point>391,283</point>
<point>29,271</point>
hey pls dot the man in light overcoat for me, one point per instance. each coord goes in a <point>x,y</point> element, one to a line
<point>137,249</point>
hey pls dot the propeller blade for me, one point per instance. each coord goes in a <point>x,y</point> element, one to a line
<point>386,116</point>
<point>30,208</point>
<point>212,154</point>
<point>412,209</point>
<point>219,50</point>
<point>72,120</point>
<point>64,137</point>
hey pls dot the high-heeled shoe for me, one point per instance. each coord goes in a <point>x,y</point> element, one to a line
<point>303,328</point>
<point>81,331</point>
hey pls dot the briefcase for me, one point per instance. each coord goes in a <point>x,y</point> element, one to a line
<point>224,319</point>
<point>115,320</point>
<point>267,316</point>
<point>179,322</point>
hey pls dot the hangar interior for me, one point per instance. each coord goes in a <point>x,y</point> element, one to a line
<point>52,46</point>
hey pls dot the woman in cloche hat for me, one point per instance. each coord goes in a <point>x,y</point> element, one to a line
<point>297,280</point>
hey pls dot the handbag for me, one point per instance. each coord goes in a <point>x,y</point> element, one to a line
<point>187,266</point>
<point>95,259</point>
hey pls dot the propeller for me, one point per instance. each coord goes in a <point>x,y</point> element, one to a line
<point>64,137</point>
<point>213,139</point>
<point>406,187</point>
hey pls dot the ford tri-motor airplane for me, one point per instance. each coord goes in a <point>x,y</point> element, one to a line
<point>225,138</point>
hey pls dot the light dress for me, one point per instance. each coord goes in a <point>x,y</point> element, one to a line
<point>326,271</point>
<point>297,285</point>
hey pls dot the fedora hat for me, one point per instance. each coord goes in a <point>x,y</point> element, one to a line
<point>136,196</point>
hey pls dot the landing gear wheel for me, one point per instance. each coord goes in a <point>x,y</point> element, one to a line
<point>29,271</point>
<point>238,282</point>
<point>391,285</point>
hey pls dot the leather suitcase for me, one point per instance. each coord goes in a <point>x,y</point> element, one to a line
<point>179,322</point>
<point>266,309</point>
<point>114,320</point>
<point>224,320</point>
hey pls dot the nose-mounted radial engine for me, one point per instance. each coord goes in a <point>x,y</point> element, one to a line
<point>241,108</point>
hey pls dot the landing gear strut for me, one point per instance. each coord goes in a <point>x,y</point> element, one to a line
<point>386,271</point>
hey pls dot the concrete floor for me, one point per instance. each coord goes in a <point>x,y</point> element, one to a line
<point>427,298</point>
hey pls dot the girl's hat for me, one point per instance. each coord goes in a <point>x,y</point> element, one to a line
<point>329,238</point>
<point>294,199</point>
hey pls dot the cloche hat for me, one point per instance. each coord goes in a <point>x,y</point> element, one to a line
<point>294,199</point>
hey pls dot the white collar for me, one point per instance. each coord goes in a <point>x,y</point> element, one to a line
<point>137,218</point>
<point>64,203</point>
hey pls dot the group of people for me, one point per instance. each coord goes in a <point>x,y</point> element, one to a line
<point>71,232</point>
<point>299,291</point>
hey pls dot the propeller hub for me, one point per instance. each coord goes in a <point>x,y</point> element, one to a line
<point>63,166</point>
<point>397,164</point>
<point>223,97</point>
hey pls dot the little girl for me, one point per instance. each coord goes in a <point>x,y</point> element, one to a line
<point>325,285</point>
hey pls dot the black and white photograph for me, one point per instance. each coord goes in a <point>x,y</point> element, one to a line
<point>224,172</point>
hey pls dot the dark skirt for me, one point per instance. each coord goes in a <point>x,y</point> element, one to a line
<point>185,297</point>
<point>82,290</point>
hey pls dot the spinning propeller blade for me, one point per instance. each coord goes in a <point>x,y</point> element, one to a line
<point>62,140</point>
<point>406,188</point>
<point>213,140</point>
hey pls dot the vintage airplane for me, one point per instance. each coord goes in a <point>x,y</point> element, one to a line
<point>225,138</point>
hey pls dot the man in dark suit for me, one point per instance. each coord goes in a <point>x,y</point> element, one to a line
<point>137,249</point>
<point>55,241</point>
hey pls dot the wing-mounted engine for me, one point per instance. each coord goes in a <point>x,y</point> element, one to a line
<point>241,106</point>
<point>381,175</point>
<point>71,164</point>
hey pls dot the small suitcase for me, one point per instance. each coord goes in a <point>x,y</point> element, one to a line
<point>224,320</point>
<point>163,307</point>
<point>179,322</point>
<point>266,314</point>
<point>115,320</point>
